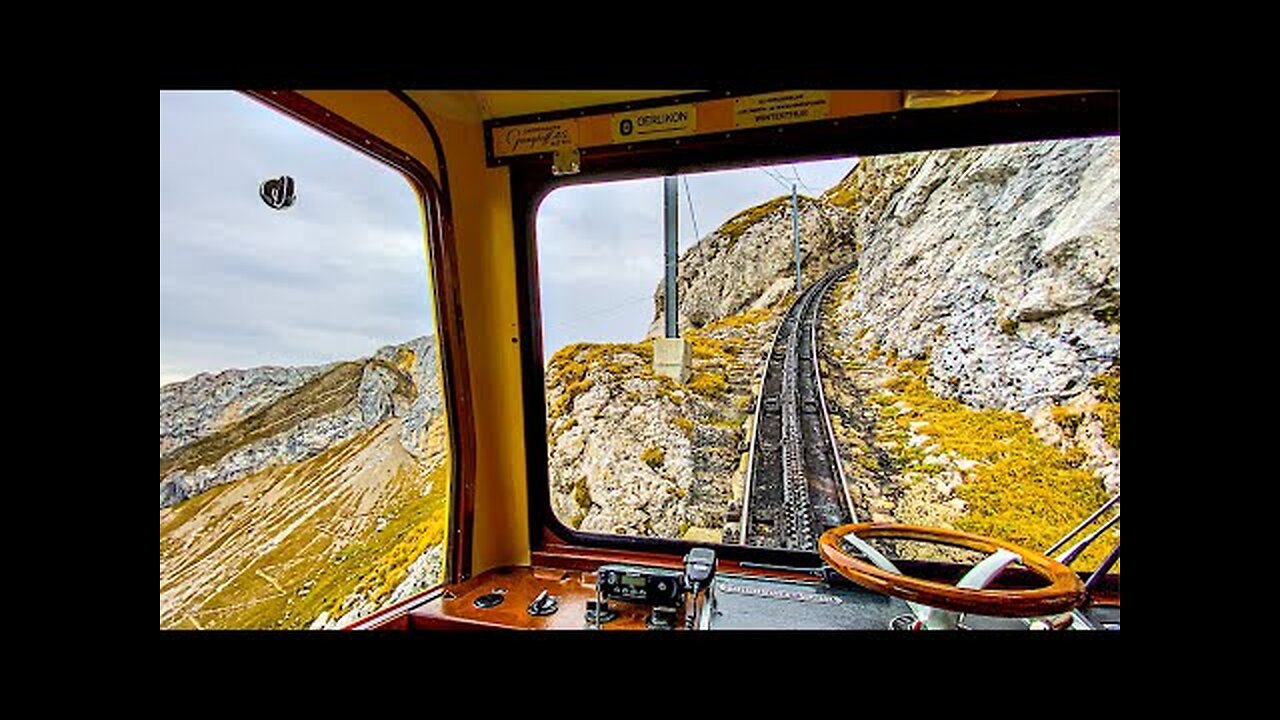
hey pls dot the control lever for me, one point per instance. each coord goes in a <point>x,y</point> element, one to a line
<point>544,604</point>
<point>699,571</point>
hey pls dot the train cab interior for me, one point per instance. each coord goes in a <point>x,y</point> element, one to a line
<point>482,164</point>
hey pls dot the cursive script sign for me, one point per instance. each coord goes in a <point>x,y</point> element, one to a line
<point>535,138</point>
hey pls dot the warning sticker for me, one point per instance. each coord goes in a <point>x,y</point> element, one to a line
<point>654,124</point>
<point>779,108</point>
<point>534,138</point>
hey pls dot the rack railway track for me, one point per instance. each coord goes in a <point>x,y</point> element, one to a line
<point>795,484</point>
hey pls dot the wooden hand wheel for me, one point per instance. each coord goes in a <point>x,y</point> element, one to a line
<point>1064,592</point>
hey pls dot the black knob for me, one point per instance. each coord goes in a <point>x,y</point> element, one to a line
<point>601,614</point>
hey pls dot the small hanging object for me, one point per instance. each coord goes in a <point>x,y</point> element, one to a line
<point>277,193</point>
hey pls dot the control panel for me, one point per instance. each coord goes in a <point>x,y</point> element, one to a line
<point>647,585</point>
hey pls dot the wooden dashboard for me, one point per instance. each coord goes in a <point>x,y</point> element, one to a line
<point>456,608</point>
<point>745,599</point>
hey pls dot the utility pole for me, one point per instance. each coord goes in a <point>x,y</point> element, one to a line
<point>672,356</point>
<point>671,233</point>
<point>795,233</point>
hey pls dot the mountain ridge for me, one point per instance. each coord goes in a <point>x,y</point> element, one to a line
<point>222,427</point>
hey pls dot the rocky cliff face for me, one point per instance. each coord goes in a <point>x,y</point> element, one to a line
<point>749,262</point>
<point>216,429</point>
<point>1002,264</point>
<point>636,454</point>
<point>194,408</point>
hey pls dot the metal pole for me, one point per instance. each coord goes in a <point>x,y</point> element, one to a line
<point>670,213</point>
<point>795,233</point>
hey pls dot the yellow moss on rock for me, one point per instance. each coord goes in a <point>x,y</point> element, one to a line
<point>693,533</point>
<point>1107,386</point>
<point>708,383</point>
<point>405,359</point>
<point>653,457</point>
<point>570,363</point>
<point>562,403</point>
<point>685,424</point>
<point>581,494</point>
<point>709,348</point>
<point>1067,418</point>
<point>1109,414</point>
<point>742,319</point>
<point>735,226</point>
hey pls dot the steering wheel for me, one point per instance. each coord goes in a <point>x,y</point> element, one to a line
<point>876,572</point>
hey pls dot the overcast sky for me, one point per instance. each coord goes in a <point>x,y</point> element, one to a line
<point>343,271</point>
<point>334,277</point>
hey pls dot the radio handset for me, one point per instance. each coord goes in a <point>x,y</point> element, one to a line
<point>699,571</point>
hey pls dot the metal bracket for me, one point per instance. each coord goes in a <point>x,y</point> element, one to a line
<point>566,161</point>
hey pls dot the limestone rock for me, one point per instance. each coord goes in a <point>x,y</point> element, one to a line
<point>397,381</point>
<point>1003,265</point>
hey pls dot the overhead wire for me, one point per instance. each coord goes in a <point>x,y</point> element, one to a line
<point>689,197</point>
<point>803,184</point>
<point>576,319</point>
<point>775,178</point>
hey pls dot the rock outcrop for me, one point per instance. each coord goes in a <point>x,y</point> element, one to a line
<point>192,409</point>
<point>220,428</point>
<point>1001,264</point>
<point>749,262</point>
<point>972,361</point>
<point>638,454</point>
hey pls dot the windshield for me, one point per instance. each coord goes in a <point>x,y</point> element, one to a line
<point>947,355</point>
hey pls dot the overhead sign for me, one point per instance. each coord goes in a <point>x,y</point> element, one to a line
<point>779,108</point>
<point>535,138</point>
<point>654,124</point>
<point>571,137</point>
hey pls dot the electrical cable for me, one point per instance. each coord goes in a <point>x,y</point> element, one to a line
<point>689,196</point>
<point>575,319</point>
<point>803,184</point>
<point>775,179</point>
